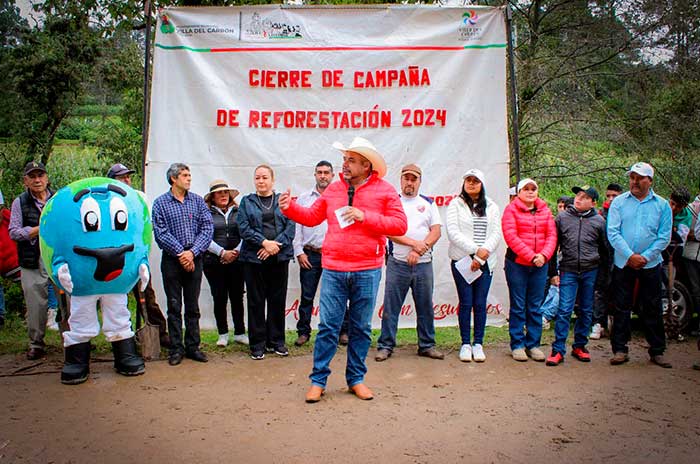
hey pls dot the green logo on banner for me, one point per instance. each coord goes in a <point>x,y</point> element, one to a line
<point>166,26</point>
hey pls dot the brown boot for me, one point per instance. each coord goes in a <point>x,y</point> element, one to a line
<point>619,358</point>
<point>362,391</point>
<point>314,394</point>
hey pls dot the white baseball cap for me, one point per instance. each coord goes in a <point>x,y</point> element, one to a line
<point>475,173</point>
<point>643,169</point>
<point>526,181</point>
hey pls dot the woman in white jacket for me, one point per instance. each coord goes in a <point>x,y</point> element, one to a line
<point>473,229</point>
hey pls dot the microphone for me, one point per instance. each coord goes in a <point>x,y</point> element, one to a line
<point>351,194</point>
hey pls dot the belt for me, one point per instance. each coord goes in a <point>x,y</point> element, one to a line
<point>312,249</point>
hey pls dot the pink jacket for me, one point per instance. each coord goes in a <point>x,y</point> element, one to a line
<point>360,246</point>
<point>528,234</point>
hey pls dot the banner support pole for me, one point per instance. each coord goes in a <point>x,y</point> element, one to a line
<point>515,130</point>
<point>146,93</point>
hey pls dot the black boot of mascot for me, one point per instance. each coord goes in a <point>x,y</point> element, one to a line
<point>126,360</point>
<point>76,367</point>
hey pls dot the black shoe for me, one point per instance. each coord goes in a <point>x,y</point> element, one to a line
<point>257,355</point>
<point>344,339</point>
<point>197,356</point>
<point>126,359</point>
<point>281,351</point>
<point>35,353</point>
<point>76,367</point>
<point>302,339</point>
<point>175,358</point>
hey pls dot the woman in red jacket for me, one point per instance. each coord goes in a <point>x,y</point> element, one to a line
<point>531,236</point>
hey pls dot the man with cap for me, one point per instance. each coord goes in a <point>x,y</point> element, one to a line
<point>147,297</point>
<point>361,209</point>
<point>409,265</point>
<point>581,239</point>
<point>24,229</point>
<point>639,229</point>
<point>183,229</point>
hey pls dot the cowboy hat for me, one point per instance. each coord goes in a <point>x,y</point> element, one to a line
<point>365,148</point>
<point>219,185</point>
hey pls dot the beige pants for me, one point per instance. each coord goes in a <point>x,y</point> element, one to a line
<point>35,285</point>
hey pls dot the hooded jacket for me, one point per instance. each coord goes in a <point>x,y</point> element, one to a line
<point>528,231</point>
<point>582,241</point>
<point>359,246</point>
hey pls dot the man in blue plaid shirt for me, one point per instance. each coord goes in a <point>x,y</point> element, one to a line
<point>183,229</point>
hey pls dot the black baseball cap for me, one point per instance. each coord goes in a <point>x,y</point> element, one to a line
<point>590,191</point>
<point>119,170</point>
<point>34,166</point>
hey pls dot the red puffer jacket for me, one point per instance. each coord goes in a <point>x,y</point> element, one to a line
<point>529,232</point>
<point>9,261</point>
<point>360,246</point>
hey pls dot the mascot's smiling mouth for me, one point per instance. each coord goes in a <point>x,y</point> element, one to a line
<point>110,261</point>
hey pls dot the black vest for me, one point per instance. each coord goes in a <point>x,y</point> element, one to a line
<point>225,235</point>
<point>29,253</point>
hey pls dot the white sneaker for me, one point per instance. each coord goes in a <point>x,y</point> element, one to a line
<point>51,319</point>
<point>223,340</point>
<point>545,323</point>
<point>478,353</point>
<point>242,339</point>
<point>596,332</point>
<point>465,354</point>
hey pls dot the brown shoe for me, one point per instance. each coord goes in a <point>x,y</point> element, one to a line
<point>659,360</point>
<point>314,394</point>
<point>362,391</point>
<point>344,339</point>
<point>301,340</point>
<point>619,358</point>
<point>382,355</point>
<point>35,353</point>
<point>431,353</point>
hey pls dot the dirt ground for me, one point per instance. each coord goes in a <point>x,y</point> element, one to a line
<point>236,410</point>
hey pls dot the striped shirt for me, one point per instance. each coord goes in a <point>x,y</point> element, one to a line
<point>480,223</point>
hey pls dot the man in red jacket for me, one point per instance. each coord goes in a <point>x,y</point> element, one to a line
<point>361,209</point>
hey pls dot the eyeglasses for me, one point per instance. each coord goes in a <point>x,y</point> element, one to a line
<point>351,194</point>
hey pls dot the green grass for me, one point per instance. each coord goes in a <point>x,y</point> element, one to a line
<point>13,339</point>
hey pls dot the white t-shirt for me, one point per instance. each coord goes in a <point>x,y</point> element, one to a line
<point>421,214</point>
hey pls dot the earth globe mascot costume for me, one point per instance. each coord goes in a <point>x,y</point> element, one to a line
<point>95,236</point>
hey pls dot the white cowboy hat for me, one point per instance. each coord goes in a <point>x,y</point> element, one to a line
<point>365,148</point>
<point>218,185</point>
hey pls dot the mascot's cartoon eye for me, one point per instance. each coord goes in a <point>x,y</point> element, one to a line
<point>90,214</point>
<point>117,211</point>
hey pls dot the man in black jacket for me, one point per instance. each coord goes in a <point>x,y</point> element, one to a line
<point>581,237</point>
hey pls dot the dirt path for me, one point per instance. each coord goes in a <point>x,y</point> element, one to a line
<point>236,410</point>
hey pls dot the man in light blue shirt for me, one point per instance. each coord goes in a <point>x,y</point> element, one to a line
<point>639,229</point>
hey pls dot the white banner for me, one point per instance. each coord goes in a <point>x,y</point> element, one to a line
<point>239,86</point>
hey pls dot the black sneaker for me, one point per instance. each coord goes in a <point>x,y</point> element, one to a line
<point>281,351</point>
<point>257,355</point>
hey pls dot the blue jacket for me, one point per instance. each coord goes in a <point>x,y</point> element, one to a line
<point>642,227</point>
<point>250,225</point>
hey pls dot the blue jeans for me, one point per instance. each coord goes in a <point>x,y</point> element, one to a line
<point>53,302</point>
<point>526,290</point>
<point>337,288</point>
<point>2,302</point>
<point>472,296</point>
<point>551,303</point>
<point>308,278</point>
<point>400,277</point>
<point>571,284</point>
